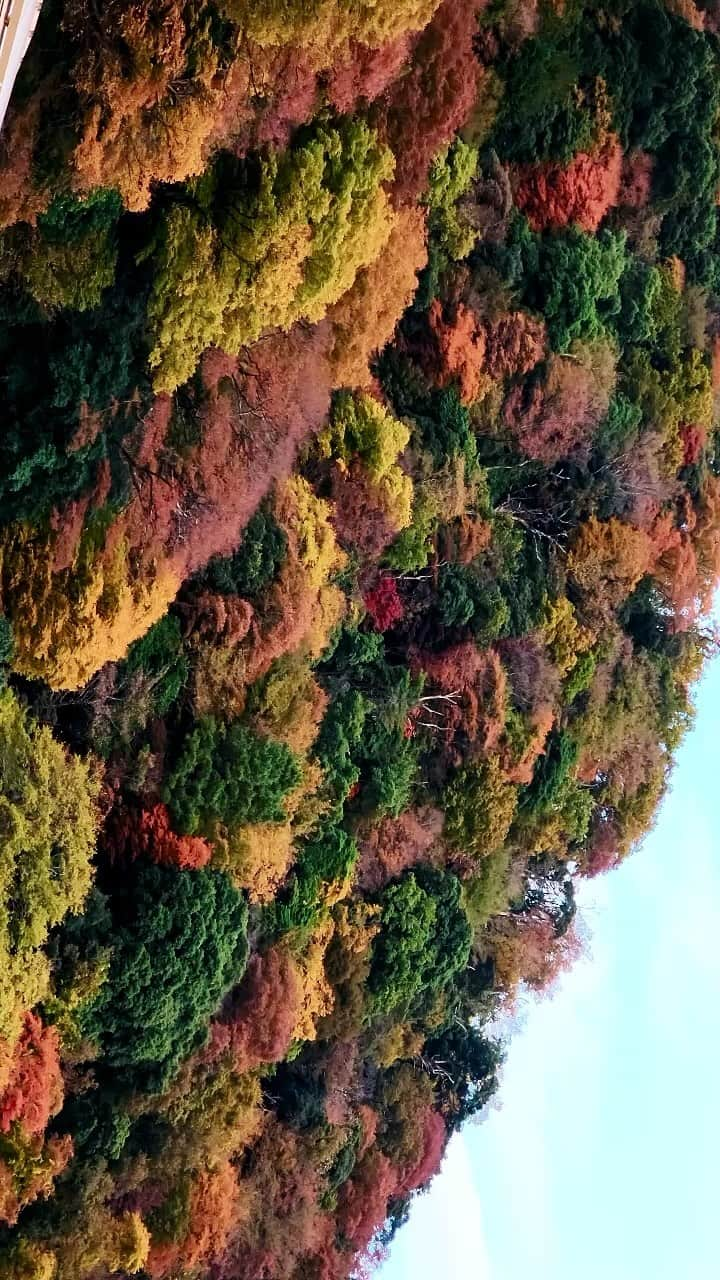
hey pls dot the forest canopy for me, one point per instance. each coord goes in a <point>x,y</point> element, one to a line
<point>359,529</point>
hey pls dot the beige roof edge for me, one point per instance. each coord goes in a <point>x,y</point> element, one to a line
<point>17,24</point>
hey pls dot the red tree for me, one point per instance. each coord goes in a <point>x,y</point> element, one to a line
<point>34,1090</point>
<point>636,182</point>
<point>469,706</point>
<point>393,845</point>
<point>424,109</point>
<point>432,1146</point>
<point>694,439</point>
<point>383,603</point>
<point>554,419</point>
<point>363,1199</point>
<point>582,192</point>
<point>365,73</point>
<point>259,1023</point>
<point>359,516</point>
<point>147,833</point>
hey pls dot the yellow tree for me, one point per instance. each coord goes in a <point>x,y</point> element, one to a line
<point>285,253</point>
<point>47,837</point>
<point>326,25</point>
<point>607,560</point>
<point>67,624</point>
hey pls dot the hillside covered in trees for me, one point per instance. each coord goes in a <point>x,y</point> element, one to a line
<point>359,518</point>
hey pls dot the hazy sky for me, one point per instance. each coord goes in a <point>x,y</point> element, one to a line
<point>602,1161</point>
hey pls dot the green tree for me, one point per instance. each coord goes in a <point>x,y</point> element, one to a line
<point>451,177</point>
<point>467,600</point>
<point>443,426</point>
<point>467,1070</point>
<point>576,285</point>
<point>480,805</point>
<point>159,654</point>
<point>228,773</point>
<point>71,257</point>
<point>544,115</point>
<point>338,743</point>
<point>328,858</point>
<point>255,563</point>
<point>424,938</point>
<point>552,771</point>
<point>393,775</point>
<point>178,944</point>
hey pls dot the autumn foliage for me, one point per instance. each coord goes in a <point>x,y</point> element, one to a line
<point>359,532</point>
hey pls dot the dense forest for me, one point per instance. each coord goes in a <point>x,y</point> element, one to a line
<point>359,520</point>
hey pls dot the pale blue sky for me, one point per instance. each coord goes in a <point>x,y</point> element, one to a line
<point>601,1162</point>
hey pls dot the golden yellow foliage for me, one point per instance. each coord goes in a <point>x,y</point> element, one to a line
<point>107,1243</point>
<point>257,857</point>
<point>214,1112</point>
<point>306,520</point>
<point>219,681</point>
<point>399,1042</point>
<point>326,25</point>
<point>291,705</point>
<point>364,319</point>
<point>607,560</point>
<point>47,838</point>
<point>318,995</point>
<point>320,215</point>
<point>347,966</point>
<point>362,428</point>
<point>565,637</point>
<point>68,624</point>
<point>28,1261</point>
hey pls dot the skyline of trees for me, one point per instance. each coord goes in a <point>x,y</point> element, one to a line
<point>359,524</point>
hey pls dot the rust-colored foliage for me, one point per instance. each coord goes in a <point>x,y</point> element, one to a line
<point>147,833</point>
<point>214,1212</point>
<point>694,440</point>
<point>461,540</point>
<point>393,845</point>
<point>364,320</point>
<point>466,698</point>
<point>259,1023</point>
<point>459,352</point>
<point>20,199</point>
<point>534,678</point>
<point>360,514</point>
<point>551,196</point>
<point>33,1092</point>
<point>285,1221</point>
<point>437,94</point>
<point>687,557</point>
<point>432,1140</point>
<point>607,560</point>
